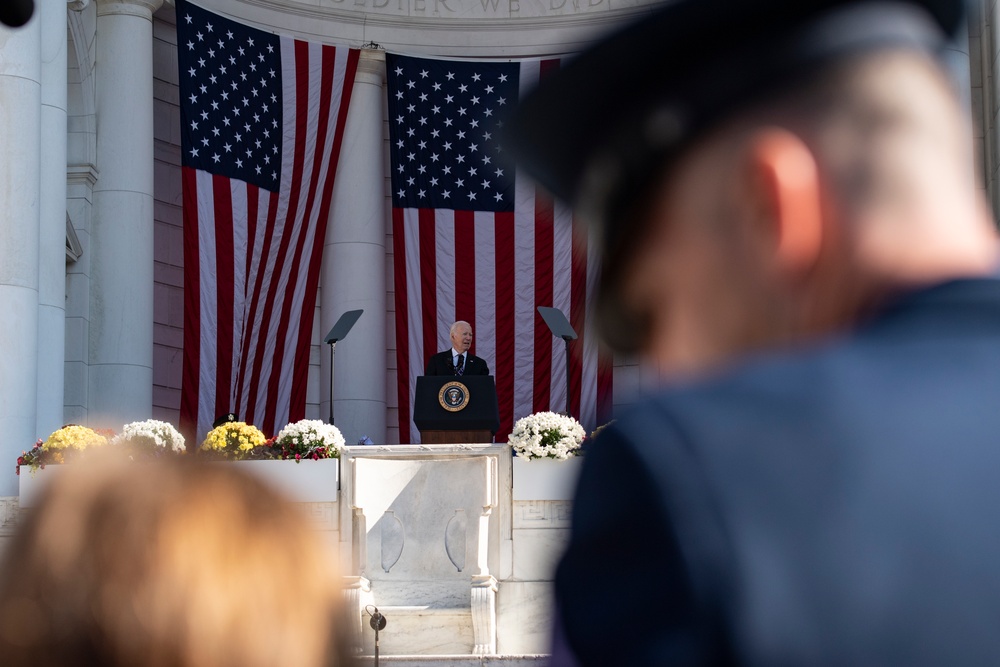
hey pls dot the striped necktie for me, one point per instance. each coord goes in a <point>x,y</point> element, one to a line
<point>460,365</point>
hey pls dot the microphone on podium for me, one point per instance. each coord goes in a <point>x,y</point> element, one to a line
<point>16,13</point>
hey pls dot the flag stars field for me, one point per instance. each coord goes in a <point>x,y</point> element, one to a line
<point>436,108</point>
<point>217,88</point>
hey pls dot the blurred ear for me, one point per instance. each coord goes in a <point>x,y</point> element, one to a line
<point>784,184</point>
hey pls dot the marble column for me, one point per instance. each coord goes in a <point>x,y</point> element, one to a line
<point>958,58</point>
<point>354,265</point>
<point>52,213</point>
<point>20,113</point>
<point>121,294</point>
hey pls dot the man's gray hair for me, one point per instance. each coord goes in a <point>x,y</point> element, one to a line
<point>454,327</point>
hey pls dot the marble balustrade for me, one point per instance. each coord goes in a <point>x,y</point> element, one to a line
<point>432,535</point>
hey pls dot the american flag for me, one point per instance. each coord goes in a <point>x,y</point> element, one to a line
<point>474,240</point>
<point>262,118</point>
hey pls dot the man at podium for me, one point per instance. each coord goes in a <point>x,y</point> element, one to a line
<point>457,360</point>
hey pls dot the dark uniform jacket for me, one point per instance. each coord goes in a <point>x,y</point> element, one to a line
<point>836,505</point>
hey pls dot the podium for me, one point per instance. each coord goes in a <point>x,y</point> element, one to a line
<point>450,409</point>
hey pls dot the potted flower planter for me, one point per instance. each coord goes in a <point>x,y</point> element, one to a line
<point>545,479</point>
<point>304,481</point>
<point>30,484</point>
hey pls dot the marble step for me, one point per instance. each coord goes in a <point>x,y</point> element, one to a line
<point>454,661</point>
<point>422,630</point>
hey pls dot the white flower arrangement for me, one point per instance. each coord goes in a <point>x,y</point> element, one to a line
<point>151,432</point>
<point>310,438</point>
<point>546,435</point>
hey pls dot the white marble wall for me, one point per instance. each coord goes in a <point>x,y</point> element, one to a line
<point>525,603</point>
<point>9,512</point>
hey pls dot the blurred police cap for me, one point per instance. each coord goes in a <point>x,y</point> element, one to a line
<point>599,131</point>
<point>654,84</point>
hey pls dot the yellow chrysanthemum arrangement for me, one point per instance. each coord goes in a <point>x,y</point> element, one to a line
<point>233,440</point>
<point>74,437</point>
<point>63,445</point>
<point>70,440</point>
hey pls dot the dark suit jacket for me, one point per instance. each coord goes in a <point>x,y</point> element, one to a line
<point>838,505</point>
<point>440,364</point>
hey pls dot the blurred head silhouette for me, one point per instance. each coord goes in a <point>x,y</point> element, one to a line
<point>16,13</point>
<point>772,173</point>
<point>165,565</point>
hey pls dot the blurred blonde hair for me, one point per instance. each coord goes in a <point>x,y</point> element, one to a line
<point>165,565</point>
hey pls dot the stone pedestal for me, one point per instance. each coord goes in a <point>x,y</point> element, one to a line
<point>545,479</point>
<point>428,527</point>
<point>300,481</point>
<point>31,483</point>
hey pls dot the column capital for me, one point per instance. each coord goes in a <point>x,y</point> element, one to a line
<point>140,8</point>
<point>77,5</point>
<point>371,66</point>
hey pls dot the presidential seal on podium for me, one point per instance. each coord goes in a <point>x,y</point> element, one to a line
<point>454,396</point>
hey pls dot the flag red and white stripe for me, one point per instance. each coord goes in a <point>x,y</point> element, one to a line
<point>492,268</point>
<point>256,205</point>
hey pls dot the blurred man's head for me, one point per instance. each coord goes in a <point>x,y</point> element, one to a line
<point>461,336</point>
<point>781,167</point>
<point>165,564</point>
<point>796,216</point>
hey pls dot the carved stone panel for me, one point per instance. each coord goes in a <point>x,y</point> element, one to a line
<point>423,515</point>
<point>542,514</point>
